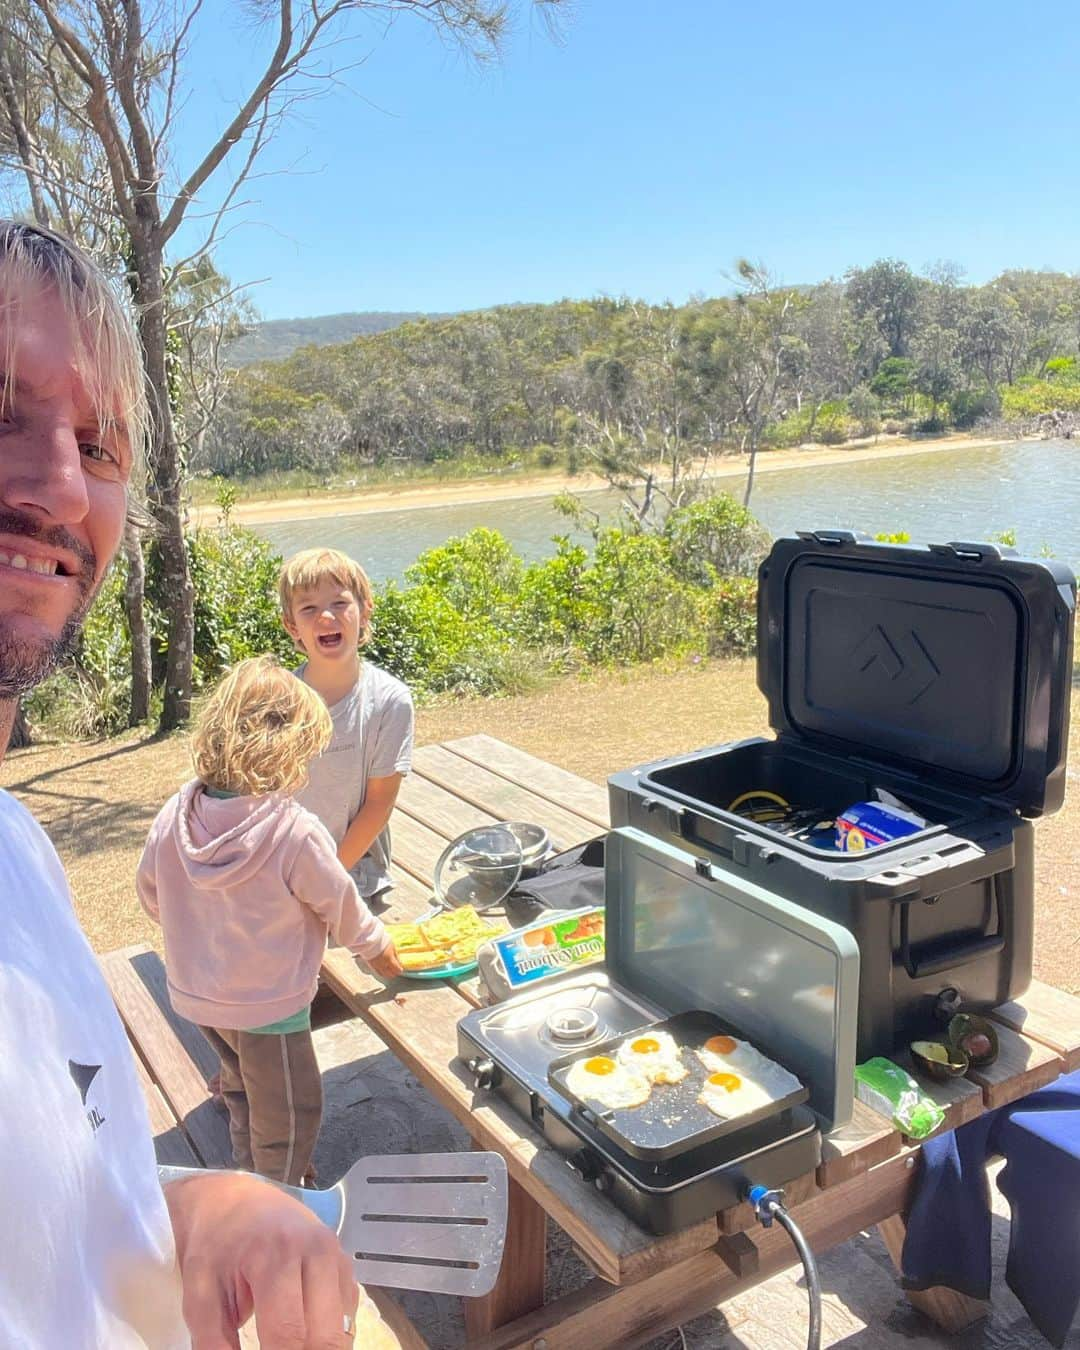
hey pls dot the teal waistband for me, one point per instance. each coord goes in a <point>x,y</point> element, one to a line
<point>300,1021</point>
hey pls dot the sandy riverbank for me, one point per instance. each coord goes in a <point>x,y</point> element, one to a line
<point>418,496</point>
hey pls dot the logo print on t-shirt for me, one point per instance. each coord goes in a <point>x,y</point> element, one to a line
<point>83,1075</point>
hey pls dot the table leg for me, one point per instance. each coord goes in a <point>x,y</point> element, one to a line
<point>520,1288</point>
<point>950,1310</point>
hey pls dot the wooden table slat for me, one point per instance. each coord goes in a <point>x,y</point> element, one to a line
<point>507,800</point>
<point>171,1145</point>
<point>416,847</point>
<point>438,808</point>
<point>546,780</point>
<point>1048,1015</point>
<point>866,1140</point>
<point>1020,1068</point>
<point>167,1060</point>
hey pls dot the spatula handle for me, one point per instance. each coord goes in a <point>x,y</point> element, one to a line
<point>329,1206</point>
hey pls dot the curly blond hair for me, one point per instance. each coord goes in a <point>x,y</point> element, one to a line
<point>259,730</point>
<point>311,567</point>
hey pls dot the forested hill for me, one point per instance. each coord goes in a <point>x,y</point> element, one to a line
<point>622,381</point>
<point>275,339</point>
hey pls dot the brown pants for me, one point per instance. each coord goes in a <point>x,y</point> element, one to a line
<point>273,1090</point>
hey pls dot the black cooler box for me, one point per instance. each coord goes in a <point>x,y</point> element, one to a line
<point>941,674</point>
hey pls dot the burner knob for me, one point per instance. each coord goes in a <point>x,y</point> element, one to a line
<point>587,1166</point>
<point>485,1073</point>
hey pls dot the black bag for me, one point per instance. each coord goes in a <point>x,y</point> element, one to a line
<point>573,879</point>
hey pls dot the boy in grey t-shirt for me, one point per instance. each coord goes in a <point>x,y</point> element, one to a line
<point>326,606</point>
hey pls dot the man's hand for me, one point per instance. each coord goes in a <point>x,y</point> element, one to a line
<point>386,965</point>
<point>245,1247</point>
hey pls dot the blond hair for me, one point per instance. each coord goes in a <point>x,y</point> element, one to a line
<point>309,568</point>
<point>107,350</point>
<point>259,730</point>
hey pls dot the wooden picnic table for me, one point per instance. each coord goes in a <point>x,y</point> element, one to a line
<point>643,1284</point>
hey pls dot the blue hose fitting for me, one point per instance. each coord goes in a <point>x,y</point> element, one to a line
<point>765,1201</point>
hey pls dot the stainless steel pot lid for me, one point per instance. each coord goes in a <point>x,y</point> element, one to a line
<point>535,841</point>
<point>479,868</point>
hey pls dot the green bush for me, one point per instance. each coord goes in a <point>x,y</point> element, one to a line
<point>715,537</point>
<point>969,406</point>
<point>634,606</point>
<point>421,637</point>
<point>234,573</point>
<point>730,617</point>
<point>478,573</point>
<point>552,607</point>
<point>91,694</point>
<point>1031,398</point>
<point>834,426</point>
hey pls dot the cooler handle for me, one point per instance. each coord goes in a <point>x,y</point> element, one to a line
<point>945,957</point>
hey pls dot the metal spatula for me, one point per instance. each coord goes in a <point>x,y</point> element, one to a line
<point>433,1221</point>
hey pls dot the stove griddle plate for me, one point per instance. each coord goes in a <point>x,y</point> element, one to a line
<point>673,1119</point>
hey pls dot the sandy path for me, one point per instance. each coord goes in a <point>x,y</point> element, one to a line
<point>427,495</point>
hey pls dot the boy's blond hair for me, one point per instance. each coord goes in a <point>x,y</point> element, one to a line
<point>259,730</point>
<point>107,351</point>
<point>309,568</point>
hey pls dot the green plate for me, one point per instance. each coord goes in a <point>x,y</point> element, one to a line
<point>443,972</point>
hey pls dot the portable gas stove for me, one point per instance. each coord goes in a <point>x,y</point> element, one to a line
<point>672,1167</point>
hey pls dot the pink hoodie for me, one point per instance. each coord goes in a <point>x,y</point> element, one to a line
<point>245,889</point>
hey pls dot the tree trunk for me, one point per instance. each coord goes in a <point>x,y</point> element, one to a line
<point>750,475</point>
<point>167,483</point>
<point>135,609</point>
<point>20,730</point>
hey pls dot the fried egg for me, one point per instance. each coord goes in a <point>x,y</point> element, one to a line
<point>725,1054</point>
<point>740,1078</point>
<point>730,1094</point>
<point>601,1079</point>
<point>655,1055</point>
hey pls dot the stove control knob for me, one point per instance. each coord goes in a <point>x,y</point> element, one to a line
<point>485,1072</point>
<point>587,1167</point>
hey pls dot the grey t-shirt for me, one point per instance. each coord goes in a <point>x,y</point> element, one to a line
<point>373,738</point>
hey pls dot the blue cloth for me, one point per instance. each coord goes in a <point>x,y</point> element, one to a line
<point>948,1227</point>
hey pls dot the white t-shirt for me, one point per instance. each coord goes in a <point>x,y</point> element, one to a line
<point>373,738</point>
<point>87,1261</point>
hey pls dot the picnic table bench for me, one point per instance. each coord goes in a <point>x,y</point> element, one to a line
<point>643,1284</point>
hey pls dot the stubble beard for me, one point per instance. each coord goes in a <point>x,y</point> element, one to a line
<point>24,664</point>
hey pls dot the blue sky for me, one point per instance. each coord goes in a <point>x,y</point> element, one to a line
<point>651,146</point>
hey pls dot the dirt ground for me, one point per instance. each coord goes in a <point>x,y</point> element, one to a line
<point>97,799</point>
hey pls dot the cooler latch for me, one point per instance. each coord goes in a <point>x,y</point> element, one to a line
<point>973,552</point>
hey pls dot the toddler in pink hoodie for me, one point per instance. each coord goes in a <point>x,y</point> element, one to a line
<point>246,885</point>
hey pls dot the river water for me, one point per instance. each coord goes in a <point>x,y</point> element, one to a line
<point>1032,487</point>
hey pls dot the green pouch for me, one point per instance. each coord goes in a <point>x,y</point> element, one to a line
<point>890,1090</point>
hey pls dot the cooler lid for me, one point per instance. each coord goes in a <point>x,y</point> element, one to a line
<point>950,660</point>
<point>689,936</point>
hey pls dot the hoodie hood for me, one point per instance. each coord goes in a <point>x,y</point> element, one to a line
<point>223,841</point>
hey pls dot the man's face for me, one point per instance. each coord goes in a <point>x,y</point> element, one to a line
<point>63,493</point>
<point>325,622</point>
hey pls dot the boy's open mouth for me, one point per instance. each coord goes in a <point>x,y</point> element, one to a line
<point>328,641</point>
